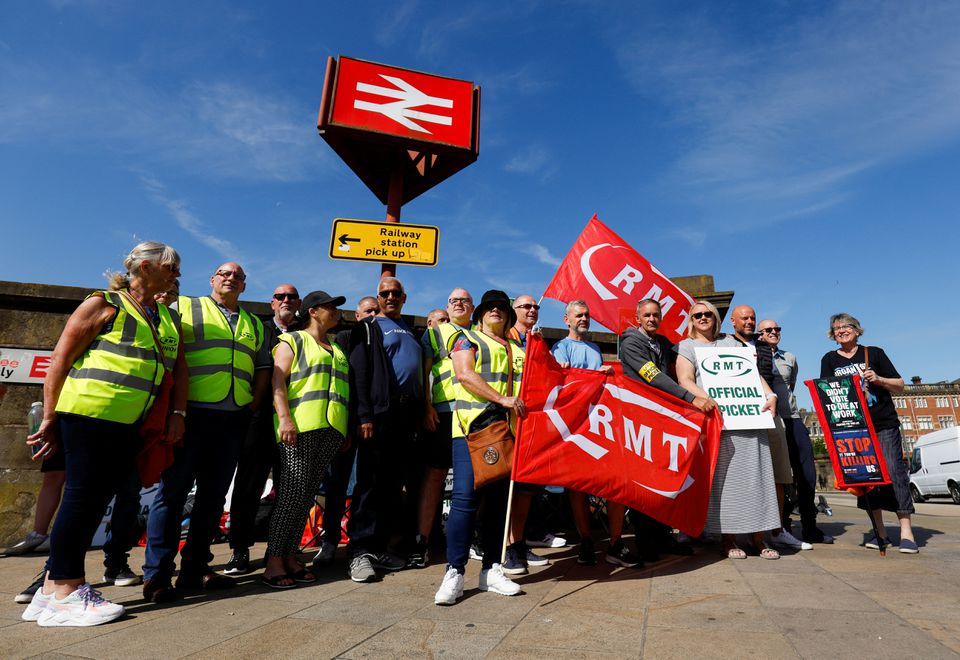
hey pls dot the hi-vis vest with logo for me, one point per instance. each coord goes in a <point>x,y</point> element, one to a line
<point>318,390</point>
<point>491,364</point>
<point>444,391</point>
<point>216,356</point>
<point>117,377</point>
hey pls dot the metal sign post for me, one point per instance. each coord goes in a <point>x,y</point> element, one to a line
<point>401,131</point>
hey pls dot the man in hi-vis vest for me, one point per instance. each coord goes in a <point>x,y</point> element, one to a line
<point>225,351</point>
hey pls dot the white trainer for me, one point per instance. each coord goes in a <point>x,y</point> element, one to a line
<point>83,607</point>
<point>37,605</point>
<point>493,579</point>
<point>787,540</point>
<point>548,541</point>
<point>451,589</point>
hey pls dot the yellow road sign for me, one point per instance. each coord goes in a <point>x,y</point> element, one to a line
<point>384,242</point>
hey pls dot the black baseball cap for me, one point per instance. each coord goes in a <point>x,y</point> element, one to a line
<point>317,298</point>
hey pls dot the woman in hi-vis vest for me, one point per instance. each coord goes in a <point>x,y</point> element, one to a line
<point>310,395</point>
<point>105,373</point>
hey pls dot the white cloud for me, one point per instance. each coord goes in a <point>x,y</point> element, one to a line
<point>814,103</point>
<point>215,129</point>
<point>534,159</point>
<point>542,254</point>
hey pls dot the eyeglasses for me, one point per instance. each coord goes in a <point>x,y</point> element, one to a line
<point>700,315</point>
<point>527,306</point>
<point>846,326</point>
<point>227,274</point>
<point>776,329</point>
<point>460,301</point>
<point>390,293</point>
<point>173,268</point>
<point>286,296</point>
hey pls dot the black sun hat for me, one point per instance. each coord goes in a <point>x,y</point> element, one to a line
<point>317,298</point>
<point>489,298</point>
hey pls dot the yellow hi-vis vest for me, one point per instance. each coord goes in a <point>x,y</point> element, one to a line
<point>491,364</point>
<point>218,357</point>
<point>318,390</point>
<point>117,377</point>
<point>444,391</point>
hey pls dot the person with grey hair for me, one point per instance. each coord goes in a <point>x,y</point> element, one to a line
<point>880,379</point>
<point>103,379</point>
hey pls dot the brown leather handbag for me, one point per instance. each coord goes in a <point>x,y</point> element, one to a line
<point>491,448</point>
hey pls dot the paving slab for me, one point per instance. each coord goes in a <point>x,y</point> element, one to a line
<point>837,600</point>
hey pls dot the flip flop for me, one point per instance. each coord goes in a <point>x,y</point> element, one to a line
<point>769,553</point>
<point>304,576</point>
<point>274,581</point>
<point>736,553</point>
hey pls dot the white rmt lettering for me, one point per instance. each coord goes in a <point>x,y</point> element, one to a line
<point>628,277</point>
<point>639,443</point>
<point>675,441</point>
<point>601,415</point>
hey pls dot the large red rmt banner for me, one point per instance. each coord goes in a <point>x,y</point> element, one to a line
<point>616,438</point>
<point>603,270</point>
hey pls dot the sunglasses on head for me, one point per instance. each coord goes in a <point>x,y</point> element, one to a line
<point>286,296</point>
<point>700,315</point>
<point>390,293</point>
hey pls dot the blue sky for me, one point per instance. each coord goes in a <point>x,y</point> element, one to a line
<point>802,153</point>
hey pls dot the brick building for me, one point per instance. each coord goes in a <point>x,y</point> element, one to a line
<point>927,407</point>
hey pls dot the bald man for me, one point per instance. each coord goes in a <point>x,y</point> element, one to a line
<point>225,350</point>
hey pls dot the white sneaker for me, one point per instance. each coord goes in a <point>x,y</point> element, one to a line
<point>787,540</point>
<point>37,605</point>
<point>493,579</point>
<point>83,607</point>
<point>548,541</point>
<point>451,589</point>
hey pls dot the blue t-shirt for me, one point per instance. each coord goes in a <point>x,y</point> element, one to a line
<point>404,352</point>
<point>579,354</point>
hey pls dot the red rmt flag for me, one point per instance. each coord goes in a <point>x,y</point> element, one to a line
<point>603,270</point>
<point>616,438</point>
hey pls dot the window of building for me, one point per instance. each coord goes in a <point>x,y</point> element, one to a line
<point>946,421</point>
<point>907,423</point>
<point>943,402</point>
<point>925,423</point>
<point>920,402</point>
<point>908,442</point>
<point>899,403</point>
<point>956,402</point>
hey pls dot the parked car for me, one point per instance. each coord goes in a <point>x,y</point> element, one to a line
<point>935,466</point>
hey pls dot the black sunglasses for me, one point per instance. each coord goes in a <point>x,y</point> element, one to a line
<point>390,293</point>
<point>773,329</point>
<point>700,315</point>
<point>286,296</point>
<point>527,306</point>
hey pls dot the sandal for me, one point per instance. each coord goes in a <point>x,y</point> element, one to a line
<point>303,576</point>
<point>736,553</point>
<point>276,581</point>
<point>769,553</point>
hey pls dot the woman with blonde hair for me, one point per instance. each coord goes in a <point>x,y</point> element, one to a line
<point>103,378</point>
<point>743,497</point>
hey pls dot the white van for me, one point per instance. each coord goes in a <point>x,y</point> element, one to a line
<point>935,466</point>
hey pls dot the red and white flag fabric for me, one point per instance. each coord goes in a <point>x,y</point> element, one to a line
<point>616,438</point>
<point>610,276</point>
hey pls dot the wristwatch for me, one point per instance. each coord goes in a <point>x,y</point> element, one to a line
<point>182,413</point>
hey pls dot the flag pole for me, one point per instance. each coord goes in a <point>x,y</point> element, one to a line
<point>506,525</point>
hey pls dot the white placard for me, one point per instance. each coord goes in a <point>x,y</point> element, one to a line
<point>23,365</point>
<point>731,378</point>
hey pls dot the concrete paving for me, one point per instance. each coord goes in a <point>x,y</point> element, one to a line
<point>838,600</point>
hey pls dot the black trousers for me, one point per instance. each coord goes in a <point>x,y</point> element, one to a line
<point>387,465</point>
<point>258,456</point>
<point>800,450</point>
<point>335,486</point>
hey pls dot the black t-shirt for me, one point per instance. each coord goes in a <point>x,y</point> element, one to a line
<point>882,411</point>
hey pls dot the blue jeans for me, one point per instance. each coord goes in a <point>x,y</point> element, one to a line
<point>463,512</point>
<point>211,448</point>
<point>99,456</point>
<point>122,532</point>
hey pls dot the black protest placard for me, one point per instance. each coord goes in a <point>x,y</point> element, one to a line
<point>848,432</point>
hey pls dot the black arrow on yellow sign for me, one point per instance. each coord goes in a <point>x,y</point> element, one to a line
<point>344,239</point>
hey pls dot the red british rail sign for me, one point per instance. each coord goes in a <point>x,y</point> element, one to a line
<point>385,121</point>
